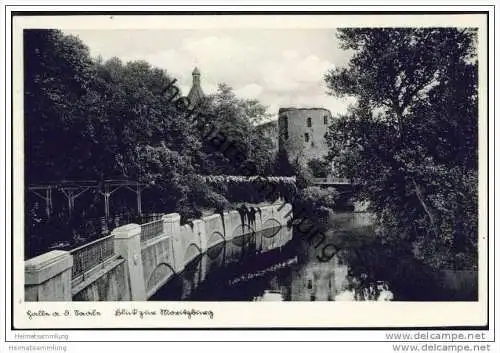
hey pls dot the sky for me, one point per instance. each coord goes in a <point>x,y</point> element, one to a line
<point>279,67</point>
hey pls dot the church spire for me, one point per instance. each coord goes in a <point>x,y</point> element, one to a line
<point>196,93</point>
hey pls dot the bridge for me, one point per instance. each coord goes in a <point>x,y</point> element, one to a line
<point>343,186</point>
<point>331,181</point>
<point>345,192</point>
<point>135,261</point>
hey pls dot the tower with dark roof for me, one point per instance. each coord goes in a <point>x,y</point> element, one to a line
<point>196,93</point>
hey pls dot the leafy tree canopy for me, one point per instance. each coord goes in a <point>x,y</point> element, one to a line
<point>89,119</point>
<point>410,141</point>
<point>237,120</point>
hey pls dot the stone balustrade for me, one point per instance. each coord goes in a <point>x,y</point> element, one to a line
<point>135,261</point>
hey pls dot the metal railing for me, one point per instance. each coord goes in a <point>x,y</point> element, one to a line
<point>151,230</point>
<point>91,255</point>
<point>149,217</point>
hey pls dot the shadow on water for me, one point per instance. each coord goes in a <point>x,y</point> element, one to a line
<point>254,267</point>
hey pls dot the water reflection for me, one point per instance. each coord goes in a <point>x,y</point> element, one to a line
<point>263,267</point>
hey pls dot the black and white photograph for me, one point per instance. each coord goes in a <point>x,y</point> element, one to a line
<point>238,165</point>
<point>264,163</point>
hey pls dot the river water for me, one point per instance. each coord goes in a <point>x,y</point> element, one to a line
<point>241,270</point>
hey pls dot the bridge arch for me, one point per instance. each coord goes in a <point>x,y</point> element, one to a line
<point>215,238</point>
<point>216,251</point>
<point>192,251</point>
<point>159,276</point>
<point>242,229</point>
<point>271,227</point>
<point>242,234</point>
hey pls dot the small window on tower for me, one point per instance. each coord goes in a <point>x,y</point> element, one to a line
<point>309,122</point>
<point>325,118</point>
<point>306,137</point>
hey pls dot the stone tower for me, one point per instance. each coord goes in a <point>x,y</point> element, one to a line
<point>196,93</point>
<point>302,133</point>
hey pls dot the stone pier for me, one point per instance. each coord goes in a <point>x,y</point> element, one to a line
<point>48,277</point>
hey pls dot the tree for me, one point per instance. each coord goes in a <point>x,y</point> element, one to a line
<point>410,140</point>
<point>135,113</point>
<point>236,119</point>
<point>58,77</point>
<point>92,120</point>
<point>282,165</point>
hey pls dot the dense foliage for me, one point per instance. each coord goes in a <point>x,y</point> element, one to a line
<point>89,119</point>
<point>255,189</point>
<point>319,167</point>
<point>313,199</point>
<point>411,139</point>
<point>235,121</point>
